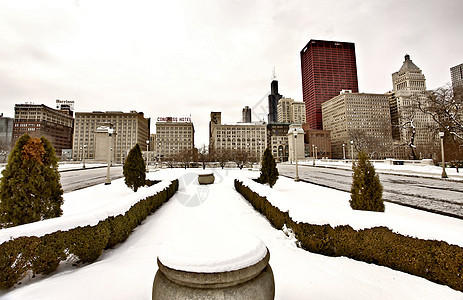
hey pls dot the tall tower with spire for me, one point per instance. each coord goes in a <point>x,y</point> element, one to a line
<point>273,99</point>
<point>409,124</point>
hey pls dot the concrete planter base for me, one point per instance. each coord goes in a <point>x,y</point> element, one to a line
<point>206,178</point>
<point>253,282</point>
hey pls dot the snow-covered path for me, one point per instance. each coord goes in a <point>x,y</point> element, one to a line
<point>127,271</point>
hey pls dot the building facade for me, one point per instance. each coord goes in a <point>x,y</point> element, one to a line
<point>173,138</point>
<point>40,120</point>
<point>250,137</point>
<point>327,68</point>
<point>289,111</point>
<point>408,121</point>
<point>277,140</point>
<point>359,117</point>
<point>457,75</point>
<point>129,129</point>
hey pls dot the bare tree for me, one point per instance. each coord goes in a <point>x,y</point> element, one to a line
<point>203,155</point>
<point>241,157</point>
<point>445,106</point>
<point>223,156</point>
<point>5,149</point>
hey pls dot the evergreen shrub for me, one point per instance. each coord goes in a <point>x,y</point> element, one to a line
<point>268,172</point>
<point>366,190</point>
<point>30,188</point>
<point>436,261</point>
<point>42,255</point>
<point>134,169</point>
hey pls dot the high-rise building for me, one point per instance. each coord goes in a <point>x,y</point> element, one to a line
<point>250,137</point>
<point>273,99</point>
<point>289,111</point>
<point>246,114</point>
<point>40,120</point>
<point>364,118</point>
<point>457,75</point>
<point>327,68</point>
<point>129,129</point>
<point>173,137</point>
<point>407,121</point>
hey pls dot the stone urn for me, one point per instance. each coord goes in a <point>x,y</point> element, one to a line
<point>215,267</point>
<point>206,178</point>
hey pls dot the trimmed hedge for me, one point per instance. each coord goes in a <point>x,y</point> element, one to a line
<point>42,255</point>
<point>436,261</point>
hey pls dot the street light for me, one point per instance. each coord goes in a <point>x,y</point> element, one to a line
<point>352,150</point>
<point>83,156</point>
<point>344,151</point>
<point>295,154</point>
<point>313,154</point>
<point>108,179</point>
<point>147,155</point>
<point>444,174</point>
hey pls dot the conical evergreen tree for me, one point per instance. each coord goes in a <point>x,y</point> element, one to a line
<point>134,169</point>
<point>366,190</point>
<point>30,189</point>
<point>268,172</point>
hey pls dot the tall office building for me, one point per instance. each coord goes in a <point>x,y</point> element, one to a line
<point>273,99</point>
<point>457,75</point>
<point>40,120</point>
<point>251,137</point>
<point>327,68</point>
<point>290,111</point>
<point>409,82</point>
<point>361,117</point>
<point>246,114</point>
<point>129,129</point>
<point>173,137</point>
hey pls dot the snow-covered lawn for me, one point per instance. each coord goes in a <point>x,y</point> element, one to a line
<point>127,271</point>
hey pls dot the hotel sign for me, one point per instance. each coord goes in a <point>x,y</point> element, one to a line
<point>174,119</point>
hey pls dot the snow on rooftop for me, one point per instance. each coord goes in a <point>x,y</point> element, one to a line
<point>212,250</point>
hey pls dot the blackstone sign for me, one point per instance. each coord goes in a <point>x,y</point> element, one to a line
<point>174,119</point>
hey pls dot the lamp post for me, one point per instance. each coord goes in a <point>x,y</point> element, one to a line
<point>313,154</point>
<point>444,174</point>
<point>147,154</point>
<point>344,151</point>
<point>295,154</point>
<point>83,156</point>
<point>352,150</point>
<point>108,179</point>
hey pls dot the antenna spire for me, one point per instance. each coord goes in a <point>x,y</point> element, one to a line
<point>274,74</point>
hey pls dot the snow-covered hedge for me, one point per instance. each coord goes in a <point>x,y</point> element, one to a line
<point>436,261</point>
<point>42,254</point>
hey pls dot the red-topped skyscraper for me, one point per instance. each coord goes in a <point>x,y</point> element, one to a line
<point>327,68</point>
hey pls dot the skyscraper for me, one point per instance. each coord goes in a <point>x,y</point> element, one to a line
<point>327,68</point>
<point>273,99</point>
<point>246,114</point>
<point>457,75</point>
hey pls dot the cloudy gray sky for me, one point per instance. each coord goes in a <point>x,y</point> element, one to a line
<point>182,57</point>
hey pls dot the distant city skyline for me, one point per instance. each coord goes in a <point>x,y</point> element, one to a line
<point>180,58</point>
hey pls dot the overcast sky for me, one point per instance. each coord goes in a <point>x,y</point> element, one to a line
<point>182,57</point>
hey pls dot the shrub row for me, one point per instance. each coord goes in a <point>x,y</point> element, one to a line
<point>42,255</point>
<point>436,261</point>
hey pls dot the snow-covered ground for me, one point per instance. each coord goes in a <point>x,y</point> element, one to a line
<point>127,272</point>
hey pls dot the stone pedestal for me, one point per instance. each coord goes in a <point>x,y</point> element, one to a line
<point>238,273</point>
